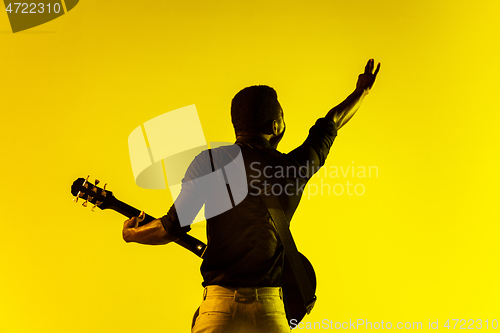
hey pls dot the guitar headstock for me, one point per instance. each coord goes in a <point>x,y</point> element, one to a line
<point>100,197</point>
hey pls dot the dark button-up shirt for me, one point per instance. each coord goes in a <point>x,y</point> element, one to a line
<point>243,248</point>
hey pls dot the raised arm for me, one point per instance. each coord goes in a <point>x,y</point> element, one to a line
<point>343,112</point>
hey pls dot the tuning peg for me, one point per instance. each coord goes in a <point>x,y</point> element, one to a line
<point>97,181</point>
<point>97,204</point>
<point>103,193</point>
<point>85,183</point>
<point>79,195</point>
<point>85,203</point>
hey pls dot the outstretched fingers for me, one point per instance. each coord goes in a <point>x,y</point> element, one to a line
<point>369,67</point>
<point>376,70</point>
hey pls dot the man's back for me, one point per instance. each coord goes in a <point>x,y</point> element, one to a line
<point>243,246</point>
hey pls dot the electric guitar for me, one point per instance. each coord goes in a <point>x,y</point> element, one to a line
<point>104,199</point>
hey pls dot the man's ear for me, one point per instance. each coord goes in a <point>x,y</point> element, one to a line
<point>270,127</point>
<point>275,127</point>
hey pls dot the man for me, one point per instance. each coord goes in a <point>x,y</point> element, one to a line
<point>243,263</point>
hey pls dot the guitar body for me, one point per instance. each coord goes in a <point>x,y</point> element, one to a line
<point>294,304</point>
<point>104,199</point>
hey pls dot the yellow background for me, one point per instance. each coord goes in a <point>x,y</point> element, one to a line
<point>420,244</point>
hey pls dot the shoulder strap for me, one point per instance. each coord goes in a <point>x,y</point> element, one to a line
<point>280,223</point>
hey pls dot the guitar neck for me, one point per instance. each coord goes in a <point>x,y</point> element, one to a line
<point>188,242</point>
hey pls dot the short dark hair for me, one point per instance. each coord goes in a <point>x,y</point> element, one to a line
<point>253,108</point>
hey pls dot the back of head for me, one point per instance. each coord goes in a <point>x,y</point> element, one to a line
<point>254,108</point>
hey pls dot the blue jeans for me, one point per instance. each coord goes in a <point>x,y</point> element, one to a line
<point>245,310</point>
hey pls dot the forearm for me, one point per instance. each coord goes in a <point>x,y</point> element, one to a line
<point>152,233</point>
<point>343,112</point>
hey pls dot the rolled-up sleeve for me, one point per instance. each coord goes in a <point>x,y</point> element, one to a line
<point>171,223</point>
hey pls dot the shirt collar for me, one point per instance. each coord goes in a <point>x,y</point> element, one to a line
<point>254,139</point>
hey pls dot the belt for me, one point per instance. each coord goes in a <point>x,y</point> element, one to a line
<point>240,293</point>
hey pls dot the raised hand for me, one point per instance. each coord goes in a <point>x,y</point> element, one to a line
<point>366,80</point>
